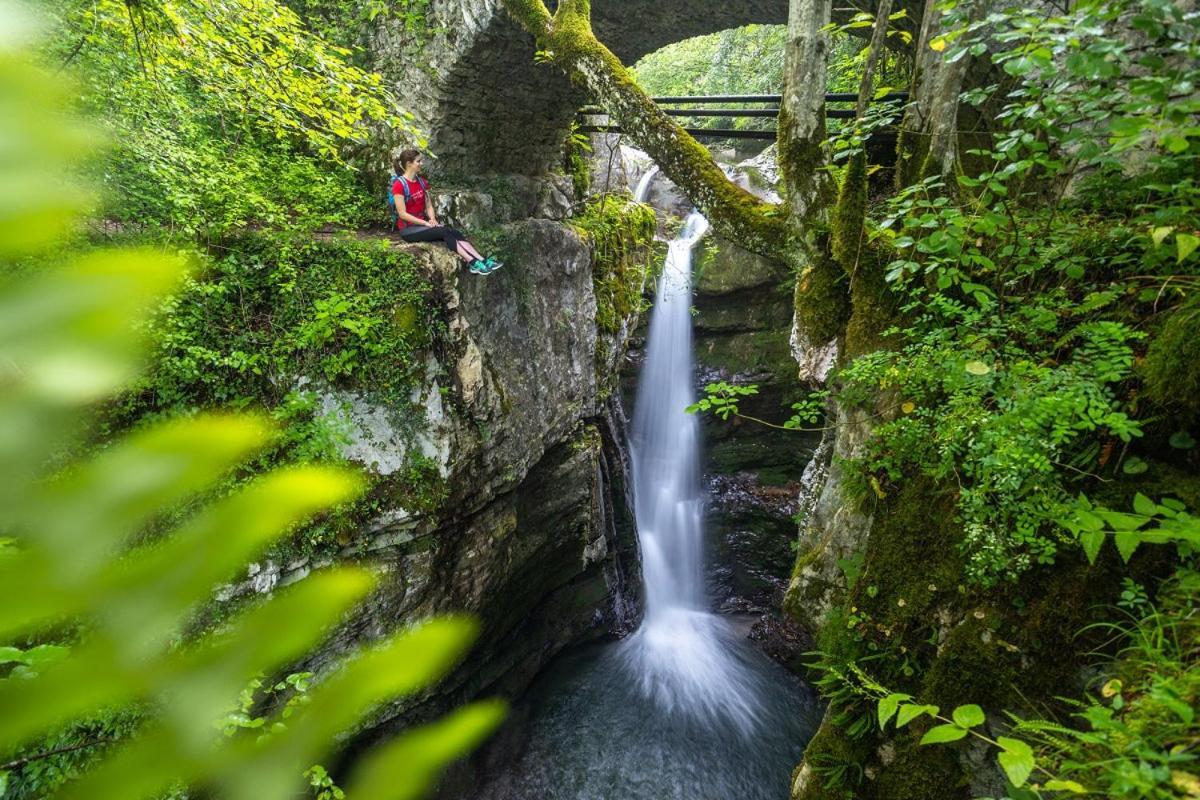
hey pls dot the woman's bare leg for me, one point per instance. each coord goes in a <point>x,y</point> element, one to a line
<point>468,252</point>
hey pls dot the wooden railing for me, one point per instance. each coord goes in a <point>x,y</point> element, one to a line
<point>587,123</point>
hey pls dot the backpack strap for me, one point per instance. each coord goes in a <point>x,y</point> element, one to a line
<point>405,187</point>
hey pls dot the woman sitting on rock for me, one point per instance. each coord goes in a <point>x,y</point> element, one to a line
<point>416,221</point>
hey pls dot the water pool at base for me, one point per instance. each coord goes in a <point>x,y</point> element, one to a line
<point>592,734</point>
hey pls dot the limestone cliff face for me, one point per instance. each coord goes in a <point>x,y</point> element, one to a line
<point>534,537</point>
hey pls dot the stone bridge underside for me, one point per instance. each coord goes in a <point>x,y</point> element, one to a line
<point>489,109</point>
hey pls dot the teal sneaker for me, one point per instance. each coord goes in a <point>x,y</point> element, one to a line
<point>492,264</point>
<point>478,267</point>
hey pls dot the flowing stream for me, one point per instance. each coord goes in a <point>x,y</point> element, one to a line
<point>684,707</point>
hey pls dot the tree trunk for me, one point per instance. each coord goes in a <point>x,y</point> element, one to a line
<point>802,112</point>
<point>929,132</point>
<point>851,209</point>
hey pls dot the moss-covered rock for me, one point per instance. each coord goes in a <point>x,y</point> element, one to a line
<point>621,234</point>
<point>1171,370</point>
<point>913,772</point>
<point>720,267</point>
<point>830,751</point>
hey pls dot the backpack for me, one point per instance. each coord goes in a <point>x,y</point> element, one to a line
<point>391,198</point>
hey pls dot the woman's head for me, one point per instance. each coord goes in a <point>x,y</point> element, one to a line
<point>406,157</point>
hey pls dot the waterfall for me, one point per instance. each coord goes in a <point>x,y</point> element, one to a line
<point>682,656</point>
<point>643,187</point>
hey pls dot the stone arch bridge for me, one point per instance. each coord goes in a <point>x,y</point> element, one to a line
<point>489,109</point>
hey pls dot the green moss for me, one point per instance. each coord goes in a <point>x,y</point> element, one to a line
<point>836,762</point>
<point>822,299</point>
<point>621,234</point>
<point>920,773</point>
<point>912,558</point>
<point>802,165</point>
<point>1171,370</point>
<point>973,666</point>
<point>579,170</point>
<point>848,215</point>
<point>912,150</point>
<point>874,306</point>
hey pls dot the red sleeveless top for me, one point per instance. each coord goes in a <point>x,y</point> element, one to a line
<point>414,202</point>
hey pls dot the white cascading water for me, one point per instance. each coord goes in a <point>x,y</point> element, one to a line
<point>682,655</point>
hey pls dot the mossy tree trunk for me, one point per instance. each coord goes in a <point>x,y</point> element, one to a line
<point>851,209</point>
<point>802,158</point>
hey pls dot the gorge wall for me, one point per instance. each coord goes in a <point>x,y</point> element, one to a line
<point>530,532</point>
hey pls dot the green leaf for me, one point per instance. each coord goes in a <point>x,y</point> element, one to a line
<point>888,706</point>
<point>1144,505</point>
<point>1120,522</point>
<point>977,368</point>
<point>1175,143</point>
<point>1017,760</point>
<point>1161,233</point>
<point>171,578</point>
<point>1185,245</point>
<point>259,641</point>
<point>1127,542</point>
<point>1182,440</point>
<point>910,711</point>
<point>45,655</point>
<point>1134,466</point>
<point>943,733</point>
<point>1091,542</point>
<point>1059,785</point>
<point>401,667</point>
<point>406,768</point>
<point>968,716</point>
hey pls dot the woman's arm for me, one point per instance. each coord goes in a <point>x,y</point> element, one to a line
<point>433,220</point>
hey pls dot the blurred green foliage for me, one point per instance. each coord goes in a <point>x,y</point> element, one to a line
<point>96,660</point>
<point>747,60</point>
